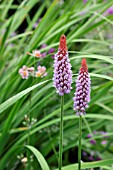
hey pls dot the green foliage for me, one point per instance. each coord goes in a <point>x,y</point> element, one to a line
<point>39,157</point>
<point>22,101</point>
<point>90,165</point>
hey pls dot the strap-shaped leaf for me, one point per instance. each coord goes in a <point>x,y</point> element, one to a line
<point>39,157</point>
<point>89,165</point>
<point>15,98</point>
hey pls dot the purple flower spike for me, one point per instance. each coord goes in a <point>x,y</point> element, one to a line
<point>62,69</point>
<point>82,94</point>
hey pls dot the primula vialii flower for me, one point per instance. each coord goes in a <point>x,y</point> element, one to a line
<point>82,94</point>
<point>62,69</point>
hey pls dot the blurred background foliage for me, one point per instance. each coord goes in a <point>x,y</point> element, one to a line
<point>29,110</point>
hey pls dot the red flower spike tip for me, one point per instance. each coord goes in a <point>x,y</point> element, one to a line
<point>84,65</point>
<point>63,45</point>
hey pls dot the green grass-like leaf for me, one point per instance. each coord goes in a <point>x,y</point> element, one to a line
<point>90,165</point>
<point>39,157</point>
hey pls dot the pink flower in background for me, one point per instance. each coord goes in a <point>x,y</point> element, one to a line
<point>84,1</point>
<point>89,136</point>
<point>104,142</point>
<point>31,69</point>
<point>24,72</point>
<point>110,11</point>
<point>93,142</point>
<point>37,53</point>
<point>41,71</point>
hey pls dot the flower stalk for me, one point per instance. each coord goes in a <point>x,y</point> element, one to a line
<point>61,134</point>
<point>80,137</point>
<point>81,100</point>
<point>62,80</point>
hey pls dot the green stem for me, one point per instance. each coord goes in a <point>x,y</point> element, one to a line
<point>29,128</point>
<point>28,139</point>
<point>79,148</point>
<point>61,134</point>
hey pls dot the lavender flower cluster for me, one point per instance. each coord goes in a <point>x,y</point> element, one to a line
<point>82,94</point>
<point>62,69</point>
<point>62,73</point>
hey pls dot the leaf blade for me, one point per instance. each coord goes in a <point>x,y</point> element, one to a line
<point>39,157</point>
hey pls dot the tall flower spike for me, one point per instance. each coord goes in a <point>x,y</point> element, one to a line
<point>62,69</point>
<point>82,94</point>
